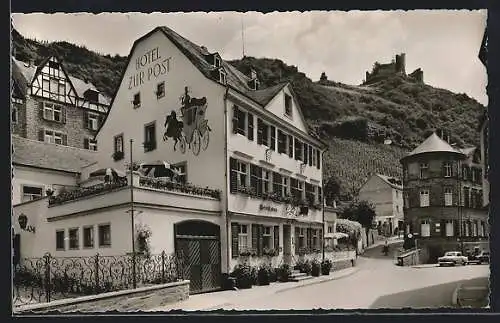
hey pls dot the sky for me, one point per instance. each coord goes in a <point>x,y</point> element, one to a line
<point>344,45</point>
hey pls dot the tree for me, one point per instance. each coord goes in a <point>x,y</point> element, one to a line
<point>332,190</point>
<point>323,77</point>
<point>360,211</point>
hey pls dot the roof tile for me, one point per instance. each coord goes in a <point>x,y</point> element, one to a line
<point>40,154</point>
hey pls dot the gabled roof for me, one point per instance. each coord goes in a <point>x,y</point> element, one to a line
<point>28,73</point>
<point>468,151</point>
<point>198,56</point>
<point>264,96</point>
<point>34,153</point>
<point>391,181</point>
<point>19,80</point>
<point>433,144</point>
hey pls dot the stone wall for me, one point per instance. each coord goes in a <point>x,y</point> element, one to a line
<point>139,299</point>
<point>74,127</point>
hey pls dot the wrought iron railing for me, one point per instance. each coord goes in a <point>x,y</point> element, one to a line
<point>38,280</point>
<point>85,191</point>
<point>183,188</point>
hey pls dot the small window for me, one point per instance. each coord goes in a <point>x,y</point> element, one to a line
<point>302,238</point>
<point>217,62</point>
<point>267,239</point>
<point>149,137</point>
<point>424,198</point>
<point>242,237</point>
<point>222,76</point>
<point>425,228</point>
<point>90,144</point>
<point>52,112</point>
<point>137,100</point>
<point>54,137</point>
<point>160,90</point>
<point>448,197</point>
<point>60,240</point>
<point>242,122</point>
<point>73,239</point>
<point>424,168</point>
<point>92,121</point>
<point>118,147</point>
<point>14,114</point>
<point>330,229</point>
<point>104,235</point>
<point>181,169</point>
<point>288,105</point>
<point>242,174</point>
<point>31,193</point>
<point>88,237</point>
<point>447,169</point>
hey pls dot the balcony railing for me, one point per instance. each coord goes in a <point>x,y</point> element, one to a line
<point>278,198</point>
<point>183,188</point>
<point>84,192</point>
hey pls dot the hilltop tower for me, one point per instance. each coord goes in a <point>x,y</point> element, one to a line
<point>401,63</point>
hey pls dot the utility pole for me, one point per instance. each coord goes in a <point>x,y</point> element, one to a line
<point>132,215</point>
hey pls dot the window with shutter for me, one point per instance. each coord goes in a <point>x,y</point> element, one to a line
<point>233,180</point>
<point>298,149</point>
<point>256,179</point>
<point>255,237</point>
<point>306,153</point>
<point>277,183</point>
<point>276,243</point>
<point>260,130</point>
<point>235,119</point>
<point>290,146</point>
<point>318,157</point>
<point>297,240</point>
<point>281,142</point>
<point>273,138</point>
<point>250,126</point>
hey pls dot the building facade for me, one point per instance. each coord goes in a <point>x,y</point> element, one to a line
<point>485,159</point>
<point>386,194</point>
<point>442,208</point>
<point>248,184</point>
<point>49,105</point>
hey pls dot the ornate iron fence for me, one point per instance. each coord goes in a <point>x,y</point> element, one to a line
<point>45,279</point>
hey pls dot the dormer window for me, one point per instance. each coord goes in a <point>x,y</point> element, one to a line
<point>288,105</point>
<point>91,95</point>
<point>137,100</point>
<point>222,76</point>
<point>217,61</point>
<point>254,84</point>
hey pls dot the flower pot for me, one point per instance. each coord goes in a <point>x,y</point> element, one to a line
<point>315,270</point>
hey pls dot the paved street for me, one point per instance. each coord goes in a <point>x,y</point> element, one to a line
<point>377,283</point>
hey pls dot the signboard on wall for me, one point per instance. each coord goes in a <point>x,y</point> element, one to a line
<point>149,66</point>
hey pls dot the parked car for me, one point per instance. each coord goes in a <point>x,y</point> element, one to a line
<point>452,258</point>
<point>482,257</point>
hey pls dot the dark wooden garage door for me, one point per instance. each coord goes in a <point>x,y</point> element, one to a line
<point>199,244</point>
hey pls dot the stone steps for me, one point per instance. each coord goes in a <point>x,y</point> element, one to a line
<point>298,276</point>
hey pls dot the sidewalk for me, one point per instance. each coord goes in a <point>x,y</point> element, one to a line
<point>390,241</point>
<point>218,300</point>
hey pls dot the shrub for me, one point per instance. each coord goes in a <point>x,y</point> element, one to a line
<point>315,268</point>
<point>273,274</point>
<point>326,266</point>
<point>263,275</point>
<point>284,273</point>
<point>305,267</point>
<point>243,275</point>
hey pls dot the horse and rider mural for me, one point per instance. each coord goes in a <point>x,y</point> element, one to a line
<point>193,130</point>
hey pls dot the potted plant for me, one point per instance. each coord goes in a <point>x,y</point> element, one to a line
<point>117,155</point>
<point>305,267</point>
<point>326,266</point>
<point>284,273</point>
<point>263,275</point>
<point>243,275</point>
<point>315,268</point>
<point>273,274</point>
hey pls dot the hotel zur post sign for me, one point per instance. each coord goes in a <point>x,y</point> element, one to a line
<point>149,66</point>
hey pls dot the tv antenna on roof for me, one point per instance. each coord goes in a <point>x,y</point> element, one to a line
<point>242,37</point>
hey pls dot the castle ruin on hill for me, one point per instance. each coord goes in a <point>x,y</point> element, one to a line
<point>396,67</point>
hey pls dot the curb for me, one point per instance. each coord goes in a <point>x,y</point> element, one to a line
<point>454,295</point>
<point>318,282</point>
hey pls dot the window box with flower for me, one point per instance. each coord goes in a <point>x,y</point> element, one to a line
<point>118,155</point>
<point>270,252</point>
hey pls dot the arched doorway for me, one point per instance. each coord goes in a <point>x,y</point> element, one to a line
<point>199,244</point>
